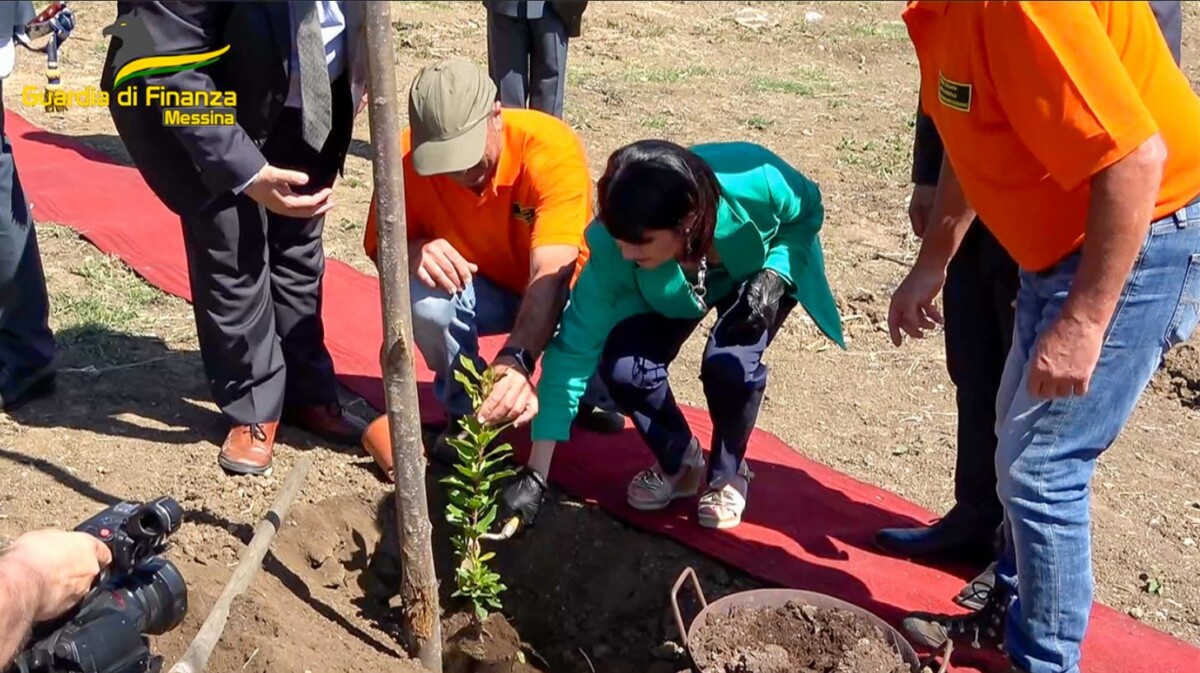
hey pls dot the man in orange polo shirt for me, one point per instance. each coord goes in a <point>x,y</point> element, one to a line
<point>1071,132</point>
<point>497,202</point>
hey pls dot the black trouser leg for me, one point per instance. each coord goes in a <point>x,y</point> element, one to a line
<point>508,45</point>
<point>26,342</point>
<point>548,64</point>
<point>634,367</point>
<point>981,284</point>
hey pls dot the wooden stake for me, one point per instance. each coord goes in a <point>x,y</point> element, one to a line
<point>418,584</point>
<point>196,657</point>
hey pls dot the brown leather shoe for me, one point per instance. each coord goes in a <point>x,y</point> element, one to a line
<point>328,421</point>
<point>248,448</point>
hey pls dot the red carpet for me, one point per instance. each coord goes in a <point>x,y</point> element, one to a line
<point>806,526</point>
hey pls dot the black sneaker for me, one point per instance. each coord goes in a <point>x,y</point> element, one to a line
<point>979,630</point>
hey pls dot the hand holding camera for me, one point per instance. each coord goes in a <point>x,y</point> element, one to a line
<point>64,565</point>
<point>102,590</point>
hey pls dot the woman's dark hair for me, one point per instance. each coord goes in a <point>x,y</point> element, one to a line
<point>652,185</point>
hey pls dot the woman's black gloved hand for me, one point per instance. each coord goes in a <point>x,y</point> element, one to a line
<point>755,309</point>
<point>523,498</point>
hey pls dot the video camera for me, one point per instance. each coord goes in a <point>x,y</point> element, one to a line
<point>140,594</point>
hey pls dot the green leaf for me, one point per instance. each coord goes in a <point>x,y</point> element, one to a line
<point>469,365</point>
<point>503,449</point>
<point>454,481</point>
<point>489,518</point>
<point>488,465</point>
<point>487,557</point>
<point>465,471</point>
<point>461,377</point>
<point>481,613</point>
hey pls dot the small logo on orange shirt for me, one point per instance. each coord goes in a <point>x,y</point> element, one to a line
<point>523,214</point>
<point>954,95</point>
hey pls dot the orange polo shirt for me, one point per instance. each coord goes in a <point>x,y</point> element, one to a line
<point>540,195</point>
<point>1032,99</point>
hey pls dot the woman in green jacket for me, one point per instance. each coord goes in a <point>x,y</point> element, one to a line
<point>680,232</point>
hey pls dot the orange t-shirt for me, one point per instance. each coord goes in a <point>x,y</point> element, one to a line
<point>540,195</point>
<point>1032,99</point>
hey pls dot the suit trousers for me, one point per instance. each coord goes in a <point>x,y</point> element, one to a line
<point>26,342</point>
<point>981,286</point>
<point>527,59</point>
<point>256,283</point>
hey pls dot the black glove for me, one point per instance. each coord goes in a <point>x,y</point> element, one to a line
<point>523,498</point>
<point>754,311</point>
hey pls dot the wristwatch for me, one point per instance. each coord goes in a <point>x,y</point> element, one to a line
<point>523,357</point>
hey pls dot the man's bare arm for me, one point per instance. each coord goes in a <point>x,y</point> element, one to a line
<point>948,223</point>
<point>1119,214</point>
<point>19,594</point>
<point>551,268</point>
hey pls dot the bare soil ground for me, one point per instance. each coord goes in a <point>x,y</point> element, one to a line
<point>132,418</point>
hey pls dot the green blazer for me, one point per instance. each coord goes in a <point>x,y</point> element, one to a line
<point>768,218</point>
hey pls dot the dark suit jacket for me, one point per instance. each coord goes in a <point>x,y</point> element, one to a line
<point>187,167</point>
<point>927,144</point>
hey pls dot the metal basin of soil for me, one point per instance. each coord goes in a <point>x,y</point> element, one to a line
<point>778,630</point>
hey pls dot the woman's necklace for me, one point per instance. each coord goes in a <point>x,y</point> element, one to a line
<point>698,288</point>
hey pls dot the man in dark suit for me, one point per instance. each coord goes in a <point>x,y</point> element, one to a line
<point>252,197</point>
<point>26,342</point>
<point>981,286</point>
<point>527,50</point>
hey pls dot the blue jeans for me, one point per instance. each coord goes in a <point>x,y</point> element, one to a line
<point>447,326</point>
<point>1048,448</point>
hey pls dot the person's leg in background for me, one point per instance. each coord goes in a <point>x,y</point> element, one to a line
<point>548,63</point>
<point>635,368</point>
<point>26,342</point>
<point>734,380</point>
<point>509,45</point>
<point>977,299</point>
<point>1047,452</point>
<point>448,326</point>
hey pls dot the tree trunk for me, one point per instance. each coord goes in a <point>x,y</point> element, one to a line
<point>418,585</point>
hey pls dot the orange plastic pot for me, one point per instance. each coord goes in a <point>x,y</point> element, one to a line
<point>377,442</point>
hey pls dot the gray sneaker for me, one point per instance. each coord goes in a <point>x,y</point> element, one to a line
<point>652,490</point>
<point>974,595</point>
<point>979,630</point>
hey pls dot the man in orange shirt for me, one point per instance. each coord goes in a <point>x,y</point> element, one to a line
<point>1072,133</point>
<point>497,204</point>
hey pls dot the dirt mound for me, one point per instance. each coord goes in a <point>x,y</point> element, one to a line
<point>584,593</point>
<point>793,638</point>
<point>1179,376</point>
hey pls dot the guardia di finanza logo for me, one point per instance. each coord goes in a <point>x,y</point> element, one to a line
<point>136,58</point>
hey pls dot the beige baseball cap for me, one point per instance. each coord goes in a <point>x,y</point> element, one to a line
<point>448,106</point>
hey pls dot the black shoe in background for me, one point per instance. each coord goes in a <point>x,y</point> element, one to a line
<point>18,386</point>
<point>957,536</point>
